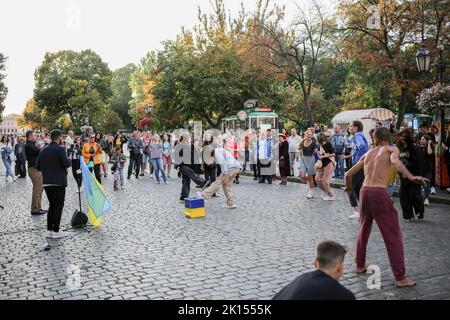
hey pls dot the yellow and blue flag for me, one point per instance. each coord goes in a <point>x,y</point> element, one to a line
<point>98,204</point>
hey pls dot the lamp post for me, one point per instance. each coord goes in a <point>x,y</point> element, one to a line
<point>148,109</point>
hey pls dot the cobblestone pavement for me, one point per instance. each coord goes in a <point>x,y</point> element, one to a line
<point>147,249</point>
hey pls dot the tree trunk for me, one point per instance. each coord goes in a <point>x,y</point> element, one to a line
<point>402,105</point>
<point>306,99</point>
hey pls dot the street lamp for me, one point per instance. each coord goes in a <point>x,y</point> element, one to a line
<point>148,109</point>
<point>423,59</point>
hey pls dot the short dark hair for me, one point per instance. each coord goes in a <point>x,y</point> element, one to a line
<point>358,124</point>
<point>322,138</point>
<point>28,134</point>
<point>55,134</point>
<point>382,134</point>
<point>329,254</point>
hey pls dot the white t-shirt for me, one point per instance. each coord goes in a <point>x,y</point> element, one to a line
<point>293,143</point>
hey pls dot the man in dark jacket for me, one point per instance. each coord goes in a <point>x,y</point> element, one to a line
<point>136,147</point>
<point>187,162</point>
<point>321,284</point>
<point>53,164</point>
<point>19,150</point>
<point>31,154</point>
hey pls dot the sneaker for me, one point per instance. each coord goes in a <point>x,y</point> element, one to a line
<point>232,206</point>
<point>181,200</point>
<point>49,234</point>
<point>427,202</point>
<point>59,235</point>
<point>448,190</point>
<point>328,198</point>
<point>355,215</point>
<point>309,194</point>
<point>433,190</point>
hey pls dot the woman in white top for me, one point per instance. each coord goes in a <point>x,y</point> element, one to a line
<point>8,157</point>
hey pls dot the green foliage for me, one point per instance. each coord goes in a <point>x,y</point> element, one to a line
<point>122,93</point>
<point>73,84</point>
<point>3,89</point>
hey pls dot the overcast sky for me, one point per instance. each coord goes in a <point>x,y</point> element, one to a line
<point>120,31</point>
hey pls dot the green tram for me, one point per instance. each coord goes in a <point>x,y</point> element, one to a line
<point>252,117</point>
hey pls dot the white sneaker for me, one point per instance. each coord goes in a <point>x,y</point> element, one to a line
<point>59,235</point>
<point>328,198</point>
<point>427,202</point>
<point>49,234</point>
<point>14,179</point>
<point>309,194</point>
<point>355,215</point>
<point>448,190</point>
<point>433,190</point>
<point>233,206</point>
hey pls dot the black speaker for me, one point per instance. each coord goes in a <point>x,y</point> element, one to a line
<point>79,219</point>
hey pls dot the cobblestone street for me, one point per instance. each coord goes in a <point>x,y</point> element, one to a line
<point>147,249</point>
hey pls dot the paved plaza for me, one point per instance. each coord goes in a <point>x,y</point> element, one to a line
<point>147,249</point>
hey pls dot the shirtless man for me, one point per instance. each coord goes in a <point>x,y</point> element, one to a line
<point>375,204</point>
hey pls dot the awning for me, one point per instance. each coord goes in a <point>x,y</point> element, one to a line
<point>378,114</point>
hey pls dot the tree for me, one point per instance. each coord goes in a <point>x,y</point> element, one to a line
<point>3,88</point>
<point>122,93</point>
<point>110,122</point>
<point>390,47</point>
<point>296,49</point>
<point>31,116</point>
<point>73,84</point>
<point>209,72</point>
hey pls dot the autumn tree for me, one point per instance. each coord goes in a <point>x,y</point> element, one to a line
<point>208,72</point>
<point>293,48</point>
<point>390,43</point>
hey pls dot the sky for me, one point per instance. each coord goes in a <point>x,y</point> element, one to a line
<point>120,31</point>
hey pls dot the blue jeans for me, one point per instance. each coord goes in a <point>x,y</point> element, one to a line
<point>340,167</point>
<point>119,176</point>
<point>8,166</point>
<point>158,166</point>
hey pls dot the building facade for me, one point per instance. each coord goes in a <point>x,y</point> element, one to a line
<point>9,126</point>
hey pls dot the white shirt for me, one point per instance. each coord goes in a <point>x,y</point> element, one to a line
<point>69,142</point>
<point>294,141</point>
<point>226,160</point>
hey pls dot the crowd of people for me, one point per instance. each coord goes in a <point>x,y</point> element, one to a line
<point>214,160</point>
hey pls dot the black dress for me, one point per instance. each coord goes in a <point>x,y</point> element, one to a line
<point>285,166</point>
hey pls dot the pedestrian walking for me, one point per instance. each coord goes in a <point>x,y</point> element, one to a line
<point>156,150</point>
<point>118,161</point>
<point>136,147</point>
<point>167,154</point>
<point>8,157</point>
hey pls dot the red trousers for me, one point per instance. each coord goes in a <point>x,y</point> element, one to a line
<point>375,204</point>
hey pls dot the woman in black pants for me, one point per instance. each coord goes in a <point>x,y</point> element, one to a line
<point>209,165</point>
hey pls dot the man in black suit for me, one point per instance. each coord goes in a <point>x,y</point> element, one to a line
<point>321,284</point>
<point>53,164</point>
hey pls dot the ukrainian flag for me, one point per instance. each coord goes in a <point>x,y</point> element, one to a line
<point>98,204</point>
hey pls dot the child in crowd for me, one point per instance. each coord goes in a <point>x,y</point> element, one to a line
<point>118,165</point>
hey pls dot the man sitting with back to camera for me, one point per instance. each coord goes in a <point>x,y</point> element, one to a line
<point>321,284</point>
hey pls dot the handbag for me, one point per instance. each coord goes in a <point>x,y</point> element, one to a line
<point>12,156</point>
